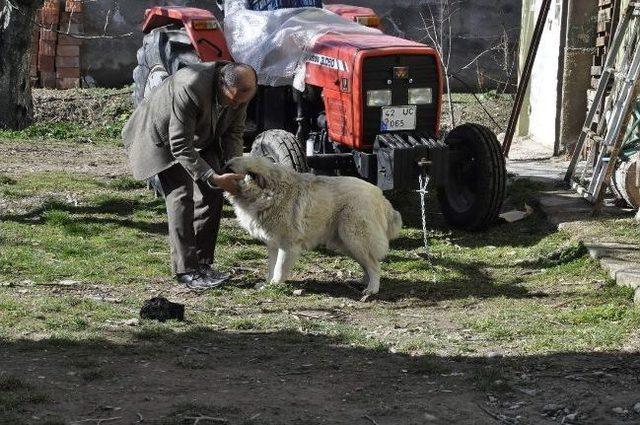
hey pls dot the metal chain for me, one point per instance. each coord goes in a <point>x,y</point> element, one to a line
<point>423,182</point>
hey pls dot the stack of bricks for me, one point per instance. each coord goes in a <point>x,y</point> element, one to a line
<point>49,19</point>
<point>55,56</point>
<point>68,53</point>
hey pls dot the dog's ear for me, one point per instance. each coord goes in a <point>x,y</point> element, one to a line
<point>260,180</point>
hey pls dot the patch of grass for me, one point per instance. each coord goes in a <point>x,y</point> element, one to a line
<point>96,374</point>
<point>6,180</point>
<point>52,182</point>
<point>111,234</point>
<point>491,379</point>
<point>562,255</point>
<point>424,365</point>
<point>344,333</point>
<point>125,183</point>
<point>53,421</point>
<point>69,131</point>
<point>193,362</point>
<point>11,383</point>
<point>83,363</point>
<point>15,395</point>
<point>610,229</point>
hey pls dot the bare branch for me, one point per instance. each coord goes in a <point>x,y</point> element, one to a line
<point>479,55</point>
<point>107,20</point>
<point>82,36</point>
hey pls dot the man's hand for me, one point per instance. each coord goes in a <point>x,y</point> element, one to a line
<point>227,182</point>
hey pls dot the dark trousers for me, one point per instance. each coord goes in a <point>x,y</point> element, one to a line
<point>193,213</point>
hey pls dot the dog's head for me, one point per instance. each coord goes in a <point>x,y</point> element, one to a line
<point>261,176</point>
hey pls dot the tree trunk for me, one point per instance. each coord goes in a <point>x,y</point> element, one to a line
<point>16,26</point>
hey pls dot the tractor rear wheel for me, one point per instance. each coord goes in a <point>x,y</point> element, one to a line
<point>472,195</point>
<point>280,147</point>
<point>164,51</point>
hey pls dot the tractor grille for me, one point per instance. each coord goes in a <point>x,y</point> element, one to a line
<point>377,71</point>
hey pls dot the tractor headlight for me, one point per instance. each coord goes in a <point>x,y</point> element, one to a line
<point>378,97</point>
<point>422,96</point>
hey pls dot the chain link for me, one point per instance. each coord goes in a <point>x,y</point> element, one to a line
<point>423,182</point>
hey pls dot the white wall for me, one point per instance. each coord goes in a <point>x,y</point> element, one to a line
<point>544,101</point>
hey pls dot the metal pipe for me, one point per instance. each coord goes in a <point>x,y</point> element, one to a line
<point>526,75</point>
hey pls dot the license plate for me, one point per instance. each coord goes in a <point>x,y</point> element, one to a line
<point>398,118</point>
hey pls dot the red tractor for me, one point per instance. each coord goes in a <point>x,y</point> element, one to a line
<point>370,107</point>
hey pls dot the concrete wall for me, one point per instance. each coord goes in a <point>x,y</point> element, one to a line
<point>582,19</point>
<point>554,108</point>
<point>545,84</point>
<point>477,25</point>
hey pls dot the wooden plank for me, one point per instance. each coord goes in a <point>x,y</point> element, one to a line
<point>604,14</point>
<point>602,41</point>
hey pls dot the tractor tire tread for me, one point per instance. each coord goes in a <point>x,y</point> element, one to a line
<point>493,160</point>
<point>284,146</point>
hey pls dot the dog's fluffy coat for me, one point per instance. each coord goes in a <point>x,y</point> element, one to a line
<point>291,212</point>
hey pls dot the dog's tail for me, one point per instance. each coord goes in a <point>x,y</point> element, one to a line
<point>394,223</point>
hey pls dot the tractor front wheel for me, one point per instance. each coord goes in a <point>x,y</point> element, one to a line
<point>472,195</point>
<point>281,147</point>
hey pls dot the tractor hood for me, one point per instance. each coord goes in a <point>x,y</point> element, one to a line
<point>337,58</point>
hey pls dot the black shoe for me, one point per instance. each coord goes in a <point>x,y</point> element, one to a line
<point>197,280</point>
<point>206,270</point>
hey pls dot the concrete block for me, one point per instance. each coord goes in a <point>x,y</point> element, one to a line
<point>68,83</point>
<point>68,50</point>
<point>67,62</point>
<point>618,251</point>
<point>65,40</point>
<point>46,63</point>
<point>71,28</point>
<point>50,13</point>
<point>629,276</point>
<point>47,48</point>
<point>48,80</point>
<point>74,6</point>
<point>75,18</point>
<point>67,73</point>
<point>46,34</point>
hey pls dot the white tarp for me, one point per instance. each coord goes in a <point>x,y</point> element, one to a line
<point>278,43</point>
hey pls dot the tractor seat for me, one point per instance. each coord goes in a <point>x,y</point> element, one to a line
<point>264,5</point>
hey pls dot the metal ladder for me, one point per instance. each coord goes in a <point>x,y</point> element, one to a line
<point>614,116</point>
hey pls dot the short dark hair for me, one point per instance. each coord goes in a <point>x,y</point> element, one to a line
<point>230,75</point>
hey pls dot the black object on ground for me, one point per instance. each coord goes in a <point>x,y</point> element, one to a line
<point>161,309</point>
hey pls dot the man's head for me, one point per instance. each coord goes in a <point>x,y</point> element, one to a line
<point>237,84</point>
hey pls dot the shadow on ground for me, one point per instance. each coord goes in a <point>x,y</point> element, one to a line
<point>94,214</point>
<point>168,377</point>
<point>468,279</point>
<point>526,232</point>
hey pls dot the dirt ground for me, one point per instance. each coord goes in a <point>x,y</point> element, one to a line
<point>473,338</point>
<point>292,378</point>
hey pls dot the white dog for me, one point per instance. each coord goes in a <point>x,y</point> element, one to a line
<point>291,212</point>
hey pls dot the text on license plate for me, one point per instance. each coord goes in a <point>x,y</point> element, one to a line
<point>398,118</point>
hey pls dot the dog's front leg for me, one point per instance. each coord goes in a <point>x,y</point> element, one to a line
<point>286,257</point>
<point>273,256</point>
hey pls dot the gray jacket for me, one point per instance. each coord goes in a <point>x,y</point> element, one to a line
<point>178,123</point>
